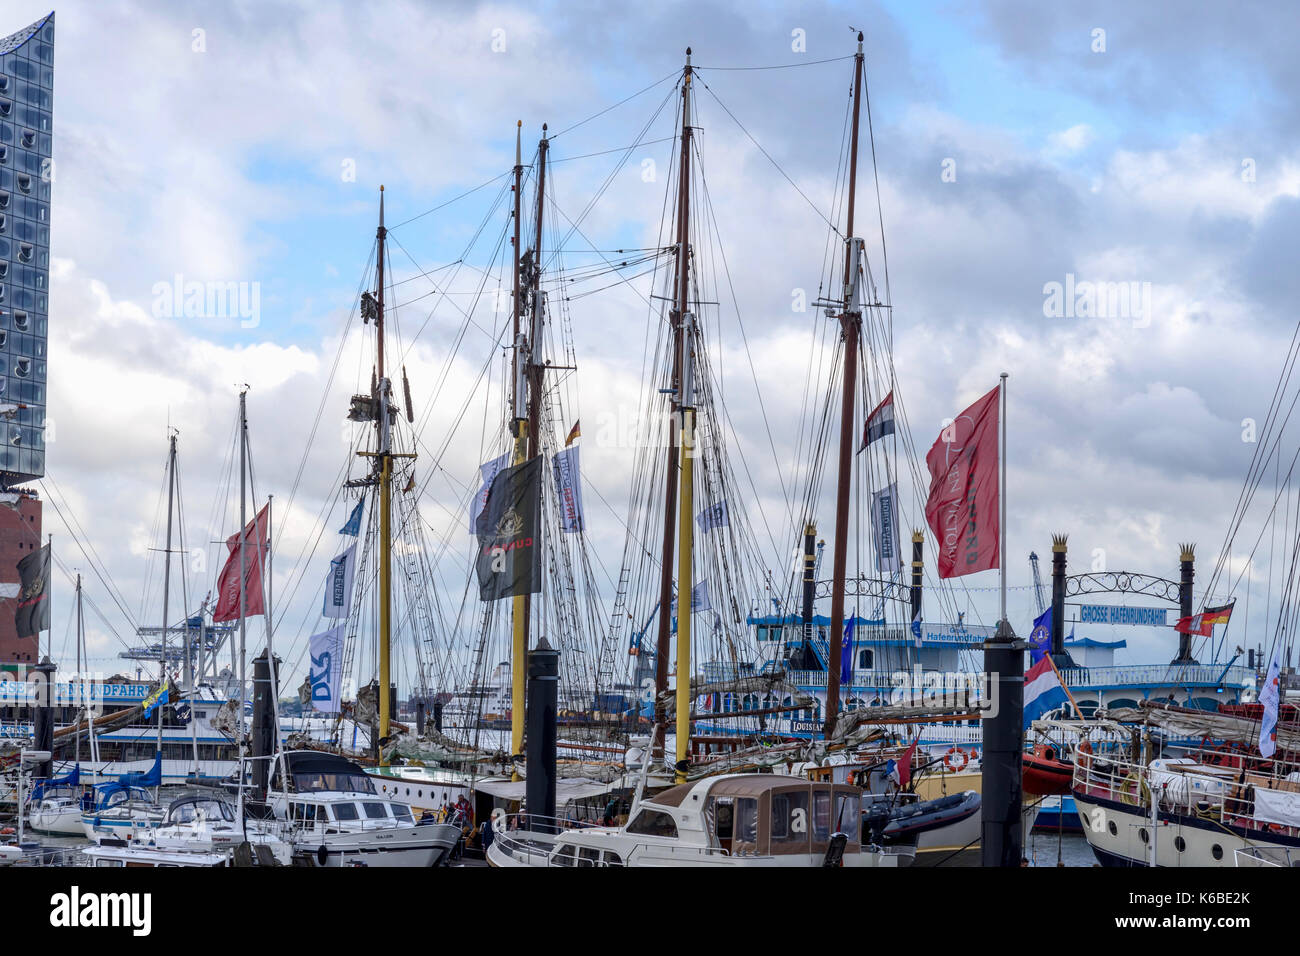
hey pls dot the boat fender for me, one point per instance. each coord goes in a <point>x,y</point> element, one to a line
<point>322,855</point>
<point>948,759</point>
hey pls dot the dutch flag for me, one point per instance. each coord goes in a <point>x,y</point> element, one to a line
<point>1043,691</point>
<point>879,423</point>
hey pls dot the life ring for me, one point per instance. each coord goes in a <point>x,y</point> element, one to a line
<point>947,759</point>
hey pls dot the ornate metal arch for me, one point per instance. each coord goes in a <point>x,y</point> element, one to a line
<point>1123,582</point>
<point>870,587</point>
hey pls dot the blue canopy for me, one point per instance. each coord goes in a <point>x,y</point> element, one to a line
<point>148,778</point>
<point>69,779</point>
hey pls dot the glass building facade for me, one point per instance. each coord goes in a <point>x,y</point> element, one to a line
<point>26,177</point>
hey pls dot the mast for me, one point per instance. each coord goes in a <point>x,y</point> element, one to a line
<point>385,499</point>
<point>167,575</point>
<point>81,681</point>
<point>243,571</point>
<point>528,391</point>
<point>518,605</point>
<point>850,322</point>
<point>670,473</point>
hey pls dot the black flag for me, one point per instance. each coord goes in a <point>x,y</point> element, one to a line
<point>508,529</point>
<point>33,614</point>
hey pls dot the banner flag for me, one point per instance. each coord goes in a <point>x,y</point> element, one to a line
<point>338,584</point>
<point>33,613</point>
<point>884,530</point>
<point>254,547</point>
<point>962,509</point>
<point>487,471</point>
<point>509,559</point>
<point>568,488</point>
<point>326,669</point>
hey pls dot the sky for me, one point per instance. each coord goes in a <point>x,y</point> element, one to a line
<point>1017,145</point>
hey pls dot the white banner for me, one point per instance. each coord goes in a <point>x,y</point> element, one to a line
<point>327,669</point>
<point>487,471</point>
<point>884,529</point>
<point>568,488</point>
<point>338,584</point>
<point>1277,806</point>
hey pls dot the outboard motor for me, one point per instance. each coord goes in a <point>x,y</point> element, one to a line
<point>835,852</point>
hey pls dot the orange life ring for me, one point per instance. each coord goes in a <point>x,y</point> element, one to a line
<point>947,759</point>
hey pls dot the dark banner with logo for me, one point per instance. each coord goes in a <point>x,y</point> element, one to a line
<point>509,533</point>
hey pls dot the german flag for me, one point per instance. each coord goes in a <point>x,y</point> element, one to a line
<point>574,434</point>
<point>1203,623</point>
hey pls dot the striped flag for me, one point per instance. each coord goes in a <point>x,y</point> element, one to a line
<point>1043,691</point>
<point>879,423</point>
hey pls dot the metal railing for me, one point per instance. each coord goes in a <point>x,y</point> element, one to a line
<point>1158,675</point>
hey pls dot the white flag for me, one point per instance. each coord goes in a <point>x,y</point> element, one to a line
<point>884,529</point>
<point>568,488</point>
<point>1268,696</point>
<point>487,471</point>
<point>326,669</point>
<point>338,585</point>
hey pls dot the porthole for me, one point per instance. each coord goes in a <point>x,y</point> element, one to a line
<point>1216,851</point>
<point>1144,836</point>
<point>1180,844</point>
<point>1114,830</point>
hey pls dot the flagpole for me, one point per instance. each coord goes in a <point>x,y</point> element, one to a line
<point>1077,712</point>
<point>1002,499</point>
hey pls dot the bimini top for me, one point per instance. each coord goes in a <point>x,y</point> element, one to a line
<point>15,40</point>
<point>315,771</point>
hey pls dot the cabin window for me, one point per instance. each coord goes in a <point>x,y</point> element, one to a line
<point>346,811</point>
<point>566,856</point>
<point>588,856</point>
<point>613,859</point>
<point>375,811</point>
<point>789,821</point>
<point>109,863</point>
<point>821,816</point>
<point>653,823</point>
<point>848,815</point>
<point>402,812</point>
<point>745,829</point>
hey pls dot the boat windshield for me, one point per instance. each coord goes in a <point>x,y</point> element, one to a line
<point>315,782</point>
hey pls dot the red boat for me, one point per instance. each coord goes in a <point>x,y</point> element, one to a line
<point>1045,774</point>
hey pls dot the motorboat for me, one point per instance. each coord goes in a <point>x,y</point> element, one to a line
<point>746,819</point>
<point>335,816</point>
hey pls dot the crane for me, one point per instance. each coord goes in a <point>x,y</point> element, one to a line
<point>1038,582</point>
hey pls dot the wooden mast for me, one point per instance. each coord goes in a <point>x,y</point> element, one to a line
<point>670,474</point>
<point>850,323</point>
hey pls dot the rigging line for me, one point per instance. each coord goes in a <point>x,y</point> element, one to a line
<point>606,152</point>
<point>777,66</point>
<point>777,165</point>
<point>83,542</point>
<point>675,73</point>
<point>483,185</point>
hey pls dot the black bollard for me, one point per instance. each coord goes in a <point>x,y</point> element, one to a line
<point>1003,749</point>
<point>539,729</point>
<point>42,677</point>
<point>265,699</point>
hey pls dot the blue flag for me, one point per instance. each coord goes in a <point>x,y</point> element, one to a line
<point>157,698</point>
<point>916,629</point>
<point>1040,638</point>
<point>846,652</point>
<point>353,527</point>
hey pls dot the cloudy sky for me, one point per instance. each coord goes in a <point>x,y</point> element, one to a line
<point>1018,145</point>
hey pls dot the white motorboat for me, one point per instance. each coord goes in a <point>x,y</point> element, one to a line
<point>730,820</point>
<point>335,815</point>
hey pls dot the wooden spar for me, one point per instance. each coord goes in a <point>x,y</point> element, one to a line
<point>670,472</point>
<point>849,323</point>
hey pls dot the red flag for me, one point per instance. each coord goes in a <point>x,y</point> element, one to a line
<point>962,510</point>
<point>905,765</point>
<point>255,548</point>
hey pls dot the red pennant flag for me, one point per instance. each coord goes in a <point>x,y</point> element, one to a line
<point>962,509</point>
<point>905,765</point>
<point>255,548</point>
